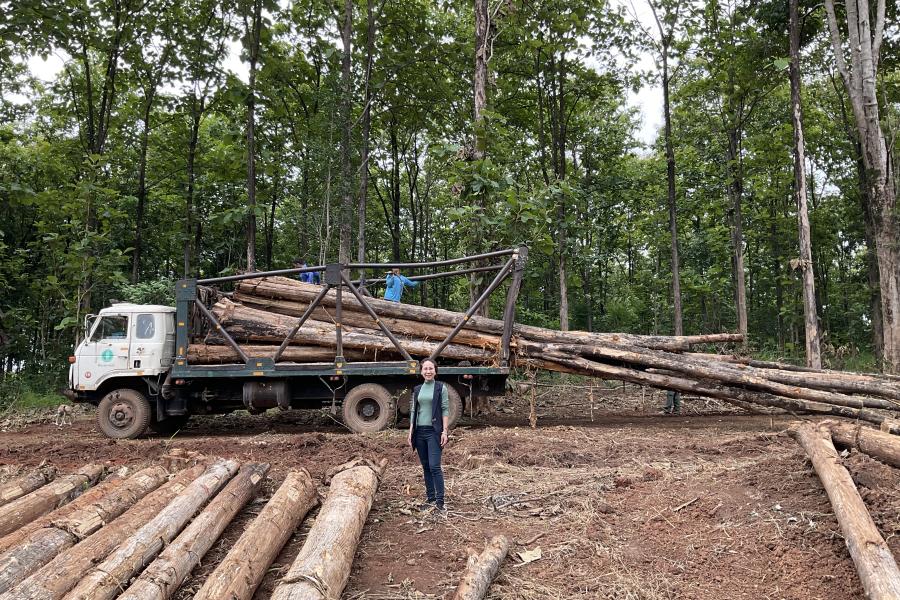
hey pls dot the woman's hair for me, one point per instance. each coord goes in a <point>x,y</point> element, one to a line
<point>422,364</point>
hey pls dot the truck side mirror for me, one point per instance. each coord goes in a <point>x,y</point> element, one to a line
<point>88,323</point>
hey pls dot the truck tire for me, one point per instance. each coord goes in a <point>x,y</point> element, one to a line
<point>455,405</point>
<point>368,408</point>
<point>123,414</point>
<point>169,425</point>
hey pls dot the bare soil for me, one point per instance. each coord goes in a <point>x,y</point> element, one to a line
<point>624,503</point>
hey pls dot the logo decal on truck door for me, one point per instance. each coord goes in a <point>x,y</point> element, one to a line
<point>107,355</point>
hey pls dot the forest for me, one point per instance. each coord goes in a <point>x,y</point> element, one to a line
<point>413,131</point>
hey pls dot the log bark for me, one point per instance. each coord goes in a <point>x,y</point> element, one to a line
<point>58,576</point>
<point>481,570</point>
<point>283,288</point>
<point>108,578</point>
<point>322,568</point>
<point>243,569</point>
<point>26,484</point>
<point>250,324</point>
<point>162,578</point>
<point>877,444</point>
<point>875,565</point>
<point>27,508</point>
<point>43,544</point>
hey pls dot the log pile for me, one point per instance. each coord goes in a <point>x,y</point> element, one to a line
<point>263,312</point>
<point>139,536</point>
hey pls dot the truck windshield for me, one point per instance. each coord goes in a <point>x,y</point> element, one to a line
<point>111,327</point>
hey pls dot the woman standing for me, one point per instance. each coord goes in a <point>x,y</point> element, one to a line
<point>429,416</point>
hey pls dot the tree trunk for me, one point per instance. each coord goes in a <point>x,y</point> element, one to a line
<point>877,444</point>
<point>322,568</point>
<point>346,167</point>
<point>366,133</point>
<point>861,83</point>
<point>876,566</point>
<point>26,484</point>
<point>243,569</point>
<point>142,189</point>
<point>27,508</point>
<point>106,579</point>
<point>254,33</point>
<point>42,544</point>
<point>736,192</point>
<point>670,195</point>
<point>481,570</point>
<point>58,576</point>
<point>813,352</point>
<point>196,116</point>
<point>161,579</point>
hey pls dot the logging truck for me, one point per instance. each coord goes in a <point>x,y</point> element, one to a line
<point>134,363</point>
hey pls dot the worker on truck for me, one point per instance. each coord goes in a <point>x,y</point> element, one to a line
<point>395,284</point>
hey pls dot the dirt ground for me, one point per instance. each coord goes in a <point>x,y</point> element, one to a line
<point>623,502</point>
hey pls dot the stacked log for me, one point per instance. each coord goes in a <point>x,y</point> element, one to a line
<point>263,312</point>
<point>15,489</point>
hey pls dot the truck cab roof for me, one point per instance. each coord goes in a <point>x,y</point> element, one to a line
<point>128,307</point>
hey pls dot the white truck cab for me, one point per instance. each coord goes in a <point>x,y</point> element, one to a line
<point>124,340</point>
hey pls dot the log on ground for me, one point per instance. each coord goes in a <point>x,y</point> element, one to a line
<point>39,547</point>
<point>243,569</point>
<point>161,579</point>
<point>877,444</point>
<point>57,577</point>
<point>874,562</point>
<point>481,570</point>
<point>26,484</point>
<point>28,508</point>
<point>322,567</point>
<point>86,499</point>
<point>108,578</point>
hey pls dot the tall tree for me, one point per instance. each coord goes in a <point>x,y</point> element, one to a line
<point>666,24</point>
<point>253,34</point>
<point>813,351</point>
<point>860,79</point>
<point>346,213</point>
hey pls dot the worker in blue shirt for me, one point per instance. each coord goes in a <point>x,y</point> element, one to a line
<point>311,277</point>
<point>395,284</point>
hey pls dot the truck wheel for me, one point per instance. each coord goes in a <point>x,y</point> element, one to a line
<point>455,405</point>
<point>169,425</point>
<point>123,414</point>
<point>368,408</point>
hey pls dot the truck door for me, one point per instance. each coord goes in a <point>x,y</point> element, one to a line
<point>148,337</point>
<point>109,347</point>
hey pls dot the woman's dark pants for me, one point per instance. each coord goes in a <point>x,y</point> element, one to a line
<point>428,445</point>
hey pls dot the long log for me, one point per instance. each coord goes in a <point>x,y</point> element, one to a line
<point>874,562</point>
<point>481,570</point>
<point>243,569</point>
<point>288,289</point>
<point>244,323</point>
<point>27,508</point>
<point>322,567</point>
<point>671,381</point>
<point>877,444</point>
<point>38,548</point>
<point>26,484</point>
<point>107,579</point>
<point>708,370</point>
<point>161,579</point>
<point>203,354</point>
<point>57,577</point>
